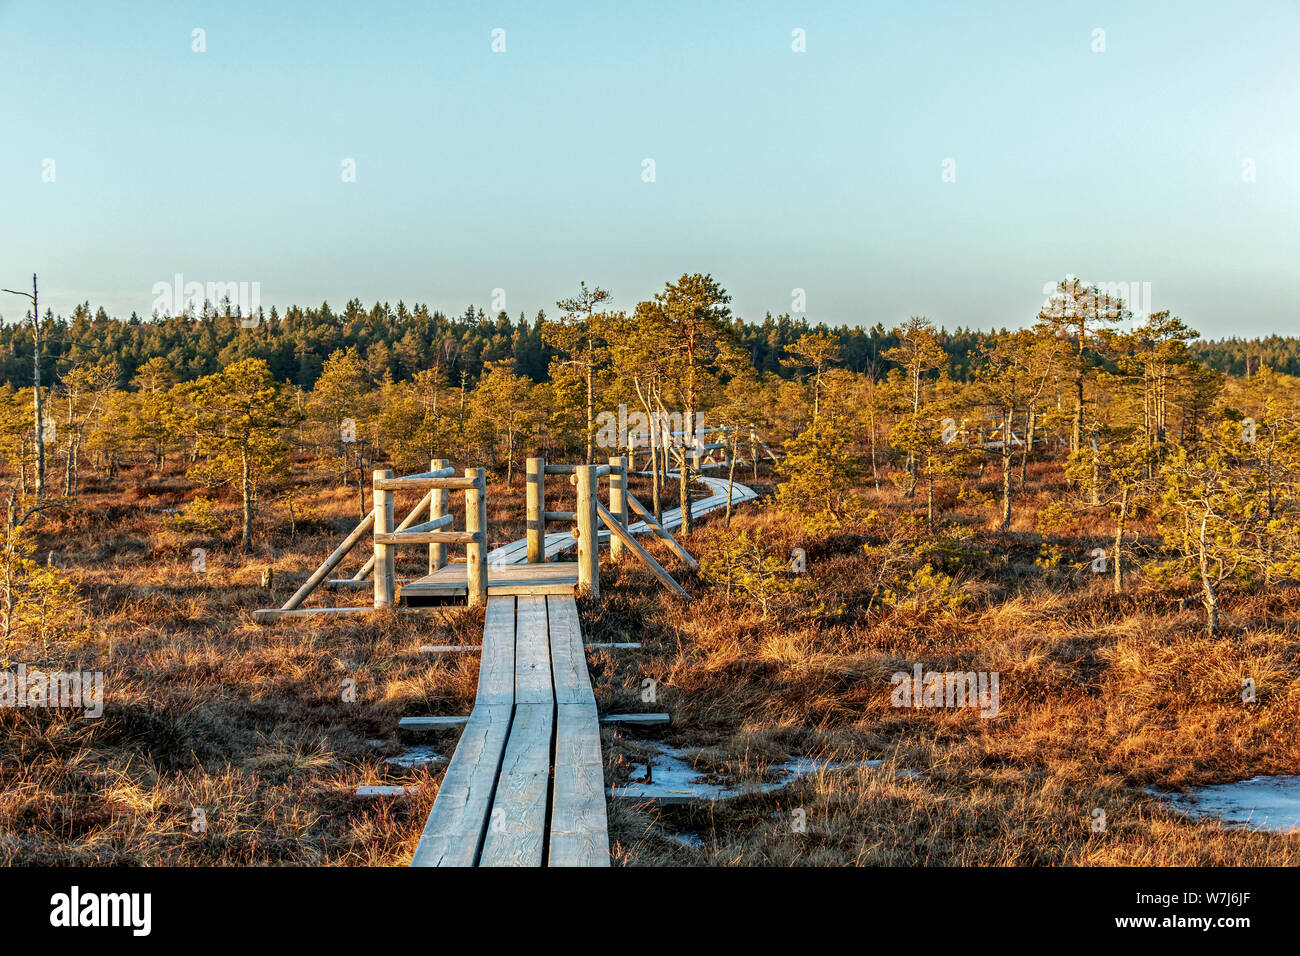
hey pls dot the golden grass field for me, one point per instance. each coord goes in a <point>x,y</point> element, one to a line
<point>1101,696</point>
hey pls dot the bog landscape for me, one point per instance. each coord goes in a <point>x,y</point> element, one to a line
<point>940,598</point>
<point>572,435</point>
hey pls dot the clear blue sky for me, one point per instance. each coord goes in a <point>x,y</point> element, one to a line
<point>522,170</point>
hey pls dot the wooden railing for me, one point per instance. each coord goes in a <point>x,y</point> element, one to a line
<point>587,517</point>
<point>434,533</point>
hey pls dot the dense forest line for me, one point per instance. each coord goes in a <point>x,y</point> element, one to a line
<point>399,342</point>
<point>1132,424</point>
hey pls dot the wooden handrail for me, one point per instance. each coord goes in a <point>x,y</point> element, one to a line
<point>419,483</point>
<point>432,537</point>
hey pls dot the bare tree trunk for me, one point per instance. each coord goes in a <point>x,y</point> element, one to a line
<point>684,473</point>
<point>591,408</point>
<point>1119,538</point>
<point>731,477</point>
<point>1030,425</point>
<point>36,393</point>
<point>247,542</point>
<point>1208,585</point>
<point>1006,469</point>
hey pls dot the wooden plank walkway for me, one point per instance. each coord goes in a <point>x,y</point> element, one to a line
<point>526,785</point>
<point>500,804</point>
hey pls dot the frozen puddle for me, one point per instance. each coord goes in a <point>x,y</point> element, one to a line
<point>673,780</point>
<point>1261,803</point>
<point>415,757</point>
<point>692,841</point>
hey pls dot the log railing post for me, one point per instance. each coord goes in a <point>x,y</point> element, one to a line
<point>384,553</point>
<point>439,504</point>
<point>536,517</point>
<point>476,550</point>
<point>588,540</point>
<point>618,469</point>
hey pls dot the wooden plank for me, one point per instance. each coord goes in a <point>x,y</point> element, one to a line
<point>417,483</point>
<point>579,822</point>
<point>533,684</point>
<point>502,579</point>
<point>453,833</point>
<point>517,825</point>
<point>635,719</point>
<point>267,615</point>
<point>634,546</point>
<point>450,649</point>
<point>568,657</point>
<point>424,725</point>
<point>381,790</point>
<point>429,537</point>
<point>496,674</point>
<point>458,822</point>
<point>579,826</point>
<point>614,645</point>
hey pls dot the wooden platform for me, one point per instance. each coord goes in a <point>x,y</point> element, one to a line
<point>525,786</point>
<point>560,577</point>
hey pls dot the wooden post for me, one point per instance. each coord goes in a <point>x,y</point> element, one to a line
<point>439,504</point>
<point>384,553</point>
<point>476,523</point>
<point>536,488</point>
<point>588,541</point>
<point>617,501</point>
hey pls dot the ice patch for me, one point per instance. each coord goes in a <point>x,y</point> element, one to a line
<point>673,780</point>
<point>1261,803</point>
<point>419,756</point>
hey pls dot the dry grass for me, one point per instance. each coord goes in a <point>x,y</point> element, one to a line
<point>1101,696</point>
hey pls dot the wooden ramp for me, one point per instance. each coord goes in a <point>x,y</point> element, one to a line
<point>526,785</point>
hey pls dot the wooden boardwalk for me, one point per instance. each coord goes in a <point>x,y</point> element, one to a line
<point>526,785</point>
<point>558,542</point>
<point>500,803</point>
